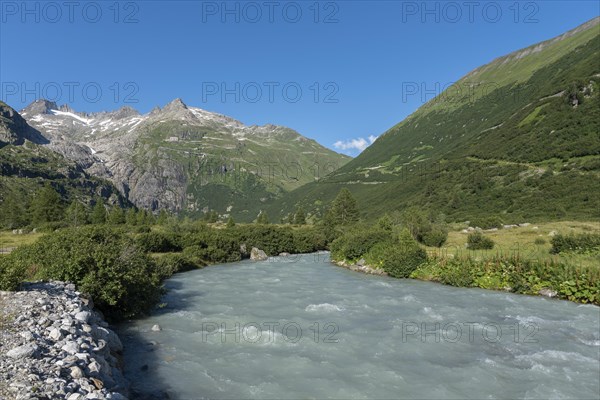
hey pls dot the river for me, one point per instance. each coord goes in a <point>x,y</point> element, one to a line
<point>300,328</point>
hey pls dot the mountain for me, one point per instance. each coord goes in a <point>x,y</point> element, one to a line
<point>518,137</point>
<point>27,164</point>
<point>185,159</point>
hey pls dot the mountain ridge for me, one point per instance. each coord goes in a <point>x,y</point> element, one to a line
<point>184,159</point>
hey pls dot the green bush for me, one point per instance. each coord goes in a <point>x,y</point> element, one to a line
<point>487,222</point>
<point>477,241</point>
<point>401,258</point>
<point>103,262</point>
<point>49,227</point>
<point>398,258</point>
<point>172,263</point>
<point>576,243</point>
<point>356,243</point>
<point>457,273</point>
<point>436,237</point>
<point>308,241</point>
<point>540,241</point>
<point>574,283</point>
<point>11,273</point>
<point>159,242</point>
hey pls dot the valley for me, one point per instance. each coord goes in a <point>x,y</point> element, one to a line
<point>469,231</point>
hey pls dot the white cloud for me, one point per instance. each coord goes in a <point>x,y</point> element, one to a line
<point>355,144</point>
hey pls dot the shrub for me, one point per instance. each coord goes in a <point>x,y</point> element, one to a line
<point>169,264</point>
<point>477,241</point>
<point>436,237</point>
<point>308,241</point>
<point>575,283</point>
<point>103,262</point>
<point>398,258</point>
<point>576,243</point>
<point>49,227</point>
<point>540,241</point>
<point>487,222</point>
<point>159,242</point>
<point>11,273</point>
<point>457,273</point>
<point>356,243</point>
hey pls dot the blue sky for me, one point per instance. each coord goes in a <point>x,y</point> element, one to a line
<point>334,71</point>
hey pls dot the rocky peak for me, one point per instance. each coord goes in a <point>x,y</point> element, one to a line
<point>40,106</point>
<point>66,108</point>
<point>124,112</point>
<point>14,129</point>
<point>175,105</point>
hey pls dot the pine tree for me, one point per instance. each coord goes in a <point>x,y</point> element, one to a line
<point>131,217</point>
<point>116,216</point>
<point>76,214</point>
<point>263,218</point>
<point>98,216</point>
<point>385,222</point>
<point>344,210</point>
<point>46,206</point>
<point>13,212</point>
<point>230,222</point>
<point>300,217</point>
<point>163,217</point>
<point>143,217</point>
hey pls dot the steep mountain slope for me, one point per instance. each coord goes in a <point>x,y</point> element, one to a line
<point>183,158</point>
<point>26,165</point>
<point>519,137</point>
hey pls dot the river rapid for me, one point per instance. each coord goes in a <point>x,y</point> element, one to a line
<point>299,327</point>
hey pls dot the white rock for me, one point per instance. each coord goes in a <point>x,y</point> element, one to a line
<point>114,343</point>
<point>548,292</point>
<point>83,316</point>
<point>76,372</point>
<point>71,347</point>
<point>257,254</point>
<point>55,334</point>
<point>94,367</point>
<point>156,328</point>
<point>115,396</point>
<point>27,335</point>
<point>25,351</point>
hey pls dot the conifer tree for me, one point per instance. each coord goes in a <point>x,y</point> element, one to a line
<point>98,216</point>
<point>46,206</point>
<point>344,210</point>
<point>300,217</point>
<point>76,214</point>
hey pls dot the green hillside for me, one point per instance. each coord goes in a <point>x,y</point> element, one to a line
<point>528,148</point>
<point>231,175</point>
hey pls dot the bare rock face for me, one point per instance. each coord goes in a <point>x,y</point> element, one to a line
<point>15,130</point>
<point>257,254</point>
<point>179,157</point>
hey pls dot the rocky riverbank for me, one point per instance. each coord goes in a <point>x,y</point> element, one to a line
<point>360,266</point>
<point>55,346</point>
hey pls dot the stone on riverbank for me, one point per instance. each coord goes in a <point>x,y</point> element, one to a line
<point>54,346</point>
<point>257,254</point>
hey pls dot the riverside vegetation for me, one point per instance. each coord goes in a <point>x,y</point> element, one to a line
<point>120,257</point>
<point>123,257</point>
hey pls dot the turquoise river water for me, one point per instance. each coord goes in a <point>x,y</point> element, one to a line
<point>301,328</point>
